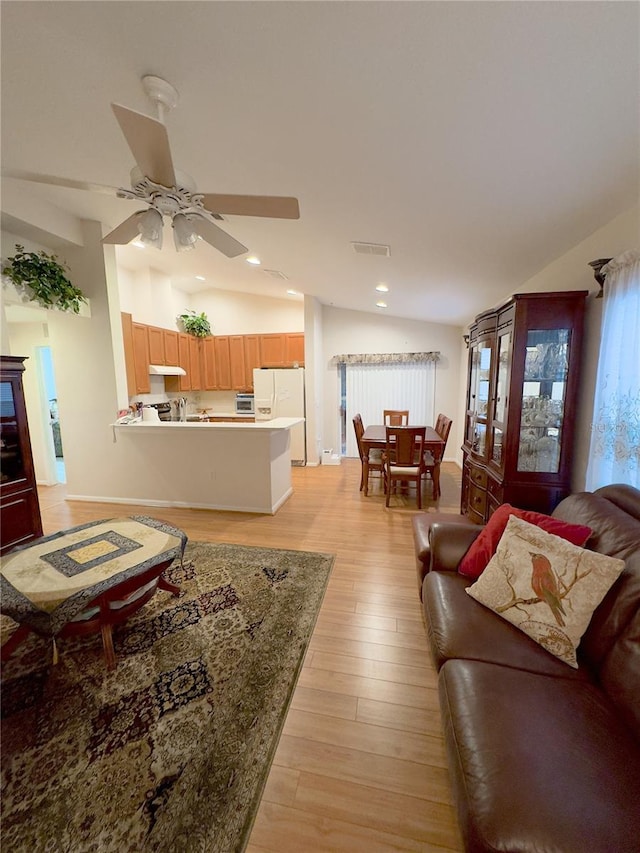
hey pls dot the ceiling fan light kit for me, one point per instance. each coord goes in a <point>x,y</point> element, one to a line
<point>184,237</point>
<point>150,227</point>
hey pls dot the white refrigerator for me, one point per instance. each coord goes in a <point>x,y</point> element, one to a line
<point>279,393</point>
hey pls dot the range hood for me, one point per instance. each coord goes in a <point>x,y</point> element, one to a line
<point>166,370</point>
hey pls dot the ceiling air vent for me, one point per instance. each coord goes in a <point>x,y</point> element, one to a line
<point>276,274</point>
<point>372,249</point>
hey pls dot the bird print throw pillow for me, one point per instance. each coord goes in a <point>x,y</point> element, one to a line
<point>545,586</point>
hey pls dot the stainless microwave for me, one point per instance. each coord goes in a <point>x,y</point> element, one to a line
<point>244,404</point>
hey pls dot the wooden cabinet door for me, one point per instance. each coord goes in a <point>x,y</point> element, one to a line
<point>184,358</point>
<point>170,347</point>
<point>194,360</point>
<point>294,349</point>
<point>236,358</point>
<point>251,358</point>
<point>141,358</point>
<point>272,350</point>
<point>208,361</point>
<point>156,345</point>
<point>223,363</point>
<point>129,357</point>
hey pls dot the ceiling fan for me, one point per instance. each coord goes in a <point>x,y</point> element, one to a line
<point>167,191</point>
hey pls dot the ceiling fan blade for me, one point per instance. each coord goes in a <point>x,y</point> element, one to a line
<point>276,207</point>
<point>54,181</point>
<point>149,143</point>
<point>125,232</point>
<point>218,238</point>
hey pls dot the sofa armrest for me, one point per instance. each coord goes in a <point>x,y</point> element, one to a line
<point>449,543</point>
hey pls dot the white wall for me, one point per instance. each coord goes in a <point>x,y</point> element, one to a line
<point>359,332</point>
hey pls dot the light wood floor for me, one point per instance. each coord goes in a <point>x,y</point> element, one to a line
<point>361,763</point>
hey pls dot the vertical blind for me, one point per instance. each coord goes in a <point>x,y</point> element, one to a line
<point>371,388</point>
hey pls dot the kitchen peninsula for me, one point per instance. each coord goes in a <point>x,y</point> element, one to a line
<point>244,467</point>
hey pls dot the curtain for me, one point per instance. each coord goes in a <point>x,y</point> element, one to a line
<point>614,455</point>
<point>371,388</point>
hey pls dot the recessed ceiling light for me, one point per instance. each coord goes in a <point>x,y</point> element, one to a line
<point>382,288</point>
<point>253,260</point>
<point>138,244</point>
<point>381,304</point>
<point>292,292</point>
<point>201,278</point>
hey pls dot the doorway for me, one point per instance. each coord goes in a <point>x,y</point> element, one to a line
<point>50,393</point>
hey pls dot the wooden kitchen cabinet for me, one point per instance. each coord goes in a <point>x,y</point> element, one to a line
<point>294,350</point>
<point>251,358</point>
<point>156,345</point>
<point>272,350</point>
<point>194,363</point>
<point>20,520</point>
<point>236,359</point>
<point>170,340</point>
<point>282,350</point>
<point>141,358</point>
<point>522,385</point>
<point>208,362</point>
<point>223,362</point>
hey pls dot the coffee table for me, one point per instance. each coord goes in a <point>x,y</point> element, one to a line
<point>87,579</point>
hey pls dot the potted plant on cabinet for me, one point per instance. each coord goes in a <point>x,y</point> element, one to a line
<point>195,324</point>
<point>43,279</point>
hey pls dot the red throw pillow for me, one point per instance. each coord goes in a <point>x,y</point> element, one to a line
<point>482,550</point>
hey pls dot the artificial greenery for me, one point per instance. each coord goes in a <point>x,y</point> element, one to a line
<point>43,278</point>
<point>195,324</point>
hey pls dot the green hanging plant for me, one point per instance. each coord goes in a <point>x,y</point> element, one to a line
<point>43,279</point>
<point>195,324</point>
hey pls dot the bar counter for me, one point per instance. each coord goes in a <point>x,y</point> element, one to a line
<point>244,467</point>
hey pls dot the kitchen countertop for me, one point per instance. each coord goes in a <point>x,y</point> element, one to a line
<point>275,423</point>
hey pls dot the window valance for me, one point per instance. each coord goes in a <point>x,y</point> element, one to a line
<point>386,358</point>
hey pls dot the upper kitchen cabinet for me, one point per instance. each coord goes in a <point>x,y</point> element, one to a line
<point>19,508</point>
<point>156,345</point>
<point>524,363</point>
<point>171,353</point>
<point>294,350</point>
<point>141,358</point>
<point>223,362</point>
<point>208,364</point>
<point>251,358</point>
<point>282,350</point>
<point>237,363</point>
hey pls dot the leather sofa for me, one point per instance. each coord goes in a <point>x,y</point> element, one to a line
<point>543,757</point>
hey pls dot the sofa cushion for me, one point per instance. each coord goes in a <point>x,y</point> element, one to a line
<point>545,586</point>
<point>482,550</point>
<point>459,627</point>
<point>610,619</point>
<point>538,763</point>
<point>616,532</point>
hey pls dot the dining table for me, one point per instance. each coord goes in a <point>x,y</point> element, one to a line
<point>375,436</point>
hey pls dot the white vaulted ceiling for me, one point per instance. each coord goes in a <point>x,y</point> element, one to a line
<point>479,140</point>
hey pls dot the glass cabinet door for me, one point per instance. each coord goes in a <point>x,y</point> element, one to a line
<point>478,403</point>
<point>543,400</point>
<point>11,460</point>
<point>497,430</point>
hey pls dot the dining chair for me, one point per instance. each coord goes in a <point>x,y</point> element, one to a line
<point>375,455</point>
<point>395,417</point>
<point>404,458</point>
<point>443,428</point>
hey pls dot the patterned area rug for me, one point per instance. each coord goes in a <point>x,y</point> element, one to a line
<point>170,752</point>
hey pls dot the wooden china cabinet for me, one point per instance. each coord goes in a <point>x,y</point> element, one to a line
<point>524,364</point>
<point>19,507</point>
